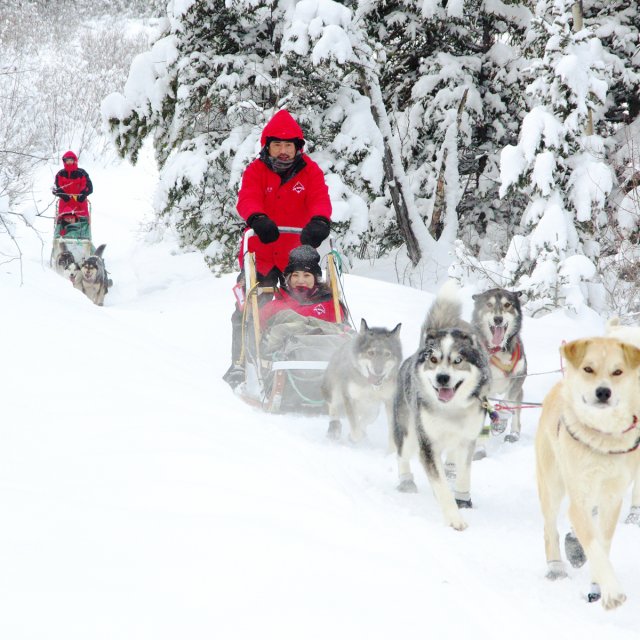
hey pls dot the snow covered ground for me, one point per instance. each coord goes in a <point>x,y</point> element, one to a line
<point>141,499</point>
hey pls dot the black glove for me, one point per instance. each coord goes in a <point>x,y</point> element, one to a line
<point>315,231</point>
<point>65,196</point>
<point>265,228</point>
<point>82,197</point>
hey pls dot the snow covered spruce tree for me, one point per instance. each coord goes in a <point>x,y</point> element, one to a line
<point>199,92</point>
<point>450,76</point>
<point>322,49</point>
<point>559,164</point>
<point>617,24</point>
<point>207,88</point>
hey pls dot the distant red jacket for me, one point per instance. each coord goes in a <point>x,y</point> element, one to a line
<point>321,307</point>
<point>292,204</point>
<point>73,182</point>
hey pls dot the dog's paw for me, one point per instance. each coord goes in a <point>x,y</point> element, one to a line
<point>480,453</point>
<point>512,437</point>
<point>450,470</point>
<point>458,523</point>
<point>594,592</point>
<point>556,570</point>
<point>574,551</point>
<point>611,600</point>
<point>335,430</point>
<point>634,516</point>
<point>407,485</point>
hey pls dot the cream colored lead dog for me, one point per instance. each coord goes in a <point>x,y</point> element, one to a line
<point>587,446</point>
<point>630,334</point>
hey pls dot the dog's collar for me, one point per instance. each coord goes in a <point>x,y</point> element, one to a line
<point>507,367</point>
<point>633,425</point>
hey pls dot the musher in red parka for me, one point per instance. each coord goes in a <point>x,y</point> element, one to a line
<point>72,186</point>
<point>283,187</point>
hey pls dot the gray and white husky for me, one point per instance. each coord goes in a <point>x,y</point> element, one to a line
<point>65,263</point>
<point>497,318</point>
<point>439,404</point>
<point>361,376</point>
<point>92,279</point>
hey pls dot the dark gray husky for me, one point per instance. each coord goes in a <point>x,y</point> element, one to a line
<point>439,404</point>
<point>92,279</point>
<point>361,376</point>
<point>497,317</point>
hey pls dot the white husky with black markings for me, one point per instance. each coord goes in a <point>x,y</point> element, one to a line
<point>440,404</point>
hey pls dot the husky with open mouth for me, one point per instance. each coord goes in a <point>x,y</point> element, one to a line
<point>440,403</point>
<point>497,317</point>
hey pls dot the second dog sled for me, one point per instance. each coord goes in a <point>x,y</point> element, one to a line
<point>288,377</point>
<point>73,234</point>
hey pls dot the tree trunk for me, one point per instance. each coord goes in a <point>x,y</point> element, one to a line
<point>578,24</point>
<point>436,226</point>
<point>393,169</point>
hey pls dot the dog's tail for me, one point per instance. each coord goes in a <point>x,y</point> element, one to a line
<point>446,310</point>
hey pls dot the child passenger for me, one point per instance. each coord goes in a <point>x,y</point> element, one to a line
<point>304,292</point>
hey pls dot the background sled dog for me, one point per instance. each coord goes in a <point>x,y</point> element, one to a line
<point>65,264</point>
<point>92,279</point>
<point>630,335</point>
<point>497,317</point>
<point>360,376</point>
<point>438,406</point>
<point>587,445</point>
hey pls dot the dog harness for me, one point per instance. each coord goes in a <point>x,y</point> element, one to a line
<point>508,367</point>
<point>634,425</point>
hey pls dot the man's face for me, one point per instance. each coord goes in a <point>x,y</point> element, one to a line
<point>282,150</point>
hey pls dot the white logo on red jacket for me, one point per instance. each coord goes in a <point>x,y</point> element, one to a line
<point>298,187</point>
<point>319,310</point>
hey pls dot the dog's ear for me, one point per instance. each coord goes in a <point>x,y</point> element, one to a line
<point>396,331</point>
<point>364,327</point>
<point>519,293</point>
<point>574,351</point>
<point>100,250</point>
<point>476,296</point>
<point>631,354</point>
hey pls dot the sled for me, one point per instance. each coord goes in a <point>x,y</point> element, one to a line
<point>289,380</point>
<point>72,236</point>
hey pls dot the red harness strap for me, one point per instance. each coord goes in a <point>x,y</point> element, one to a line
<point>509,366</point>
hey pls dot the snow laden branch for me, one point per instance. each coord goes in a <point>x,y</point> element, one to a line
<point>329,33</point>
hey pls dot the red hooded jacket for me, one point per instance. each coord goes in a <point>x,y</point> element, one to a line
<point>292,203</point>
<point>73,182</point>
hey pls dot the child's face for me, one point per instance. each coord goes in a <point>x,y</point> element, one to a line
<point>302,279</point>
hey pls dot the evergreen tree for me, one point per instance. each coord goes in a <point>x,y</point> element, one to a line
<point>450,77</point>
<point>226,68</point>
<point>559,164</point>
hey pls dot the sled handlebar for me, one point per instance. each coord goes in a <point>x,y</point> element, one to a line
<point>250,233</point>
